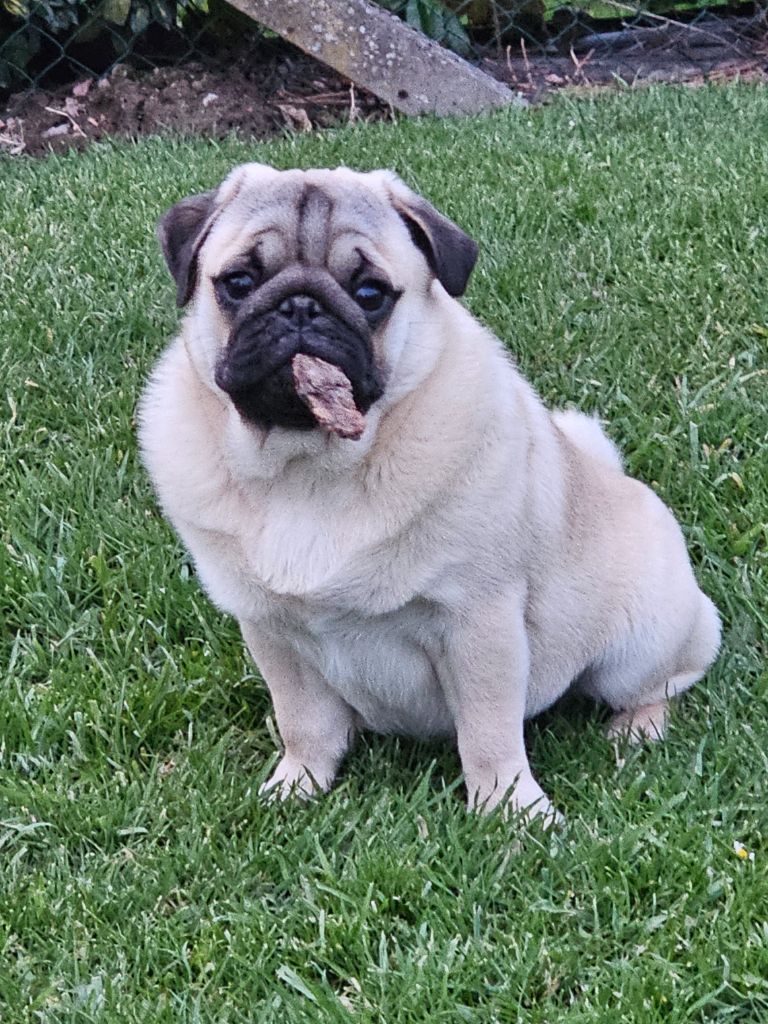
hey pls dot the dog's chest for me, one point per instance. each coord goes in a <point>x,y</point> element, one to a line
<point>310,542</point>
<point>383,665</point>
<point>345,600</point>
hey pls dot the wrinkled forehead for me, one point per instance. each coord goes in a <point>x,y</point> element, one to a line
<point>316,218</point>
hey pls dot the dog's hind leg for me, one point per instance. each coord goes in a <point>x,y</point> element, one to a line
<point>648,721</point>
<point>641,712</point>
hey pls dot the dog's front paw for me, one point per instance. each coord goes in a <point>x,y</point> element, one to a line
<point>293,779</point>
<point>541,810</point>
<point>523,797</point>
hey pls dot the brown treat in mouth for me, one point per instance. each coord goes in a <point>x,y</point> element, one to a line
<point>327,393</point>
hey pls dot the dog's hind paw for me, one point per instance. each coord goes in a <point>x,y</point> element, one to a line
<point>638,725</point>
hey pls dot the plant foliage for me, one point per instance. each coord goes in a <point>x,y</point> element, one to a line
<point>433,19</point>
<point>33,30</point>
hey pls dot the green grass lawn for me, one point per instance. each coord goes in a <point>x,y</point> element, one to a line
<point>624,260</point>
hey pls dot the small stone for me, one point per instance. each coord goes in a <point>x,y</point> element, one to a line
<point>57,129</point>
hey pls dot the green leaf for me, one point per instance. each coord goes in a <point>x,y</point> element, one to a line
<point>116,11</point>
<point>290,977</point>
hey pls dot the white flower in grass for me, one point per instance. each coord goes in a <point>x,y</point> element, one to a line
<point>742,852</point>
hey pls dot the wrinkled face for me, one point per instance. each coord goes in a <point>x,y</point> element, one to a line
<point>317,262</point>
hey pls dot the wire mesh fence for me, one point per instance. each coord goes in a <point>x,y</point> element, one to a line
<point>45,42</point>
<point>477,27</point>
<point>539,45</point>
<point>52,46</point>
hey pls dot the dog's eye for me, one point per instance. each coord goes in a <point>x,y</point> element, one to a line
<point>370,296</point>
<point>238,285</point>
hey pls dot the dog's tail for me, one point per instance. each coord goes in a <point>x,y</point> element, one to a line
<point>587,434</point>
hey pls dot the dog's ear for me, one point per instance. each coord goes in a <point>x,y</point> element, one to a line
<point>181,232</point>
<point>450,253</point>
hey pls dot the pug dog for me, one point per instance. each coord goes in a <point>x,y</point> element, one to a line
<point>459,560</point>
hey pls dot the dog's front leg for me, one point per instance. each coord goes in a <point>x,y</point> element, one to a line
<point>485,667</point>
<point>315,724</point>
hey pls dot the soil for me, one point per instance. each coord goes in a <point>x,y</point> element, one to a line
<point>279,89</point>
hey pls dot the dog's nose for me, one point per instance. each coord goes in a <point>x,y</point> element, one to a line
<point>300,309</point>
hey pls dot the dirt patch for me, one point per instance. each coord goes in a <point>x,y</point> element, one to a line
<point>283,91</point>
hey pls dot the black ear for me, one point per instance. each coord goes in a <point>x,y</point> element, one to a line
<point>451,254</point>
<point>181,231</point>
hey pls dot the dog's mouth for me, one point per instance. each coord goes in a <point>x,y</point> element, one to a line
<point>257,367</point>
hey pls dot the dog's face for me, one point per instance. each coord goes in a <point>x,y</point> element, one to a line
<point>333,264</point>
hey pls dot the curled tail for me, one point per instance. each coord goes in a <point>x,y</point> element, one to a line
<point>587,434</point>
